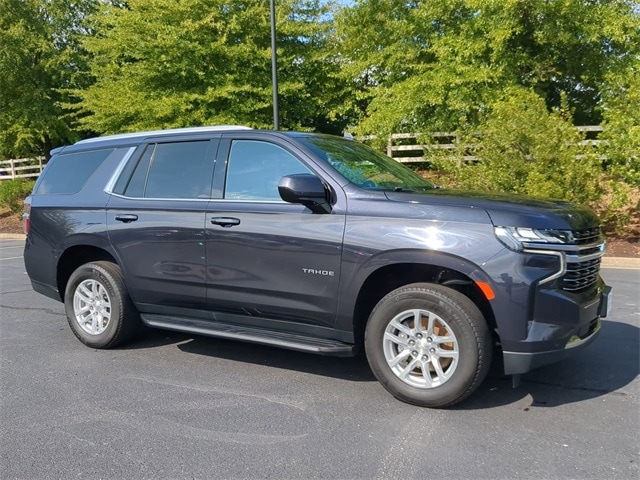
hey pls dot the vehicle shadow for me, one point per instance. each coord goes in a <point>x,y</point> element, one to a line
<point>346,368</point>
<point>606,366</point>
<point>355,369</point>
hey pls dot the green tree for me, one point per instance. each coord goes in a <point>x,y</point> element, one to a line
<point>441,64</point>
<point>40,57</point>
<point>523,148</point>
<point>162,63</point>
<point>621,112</point>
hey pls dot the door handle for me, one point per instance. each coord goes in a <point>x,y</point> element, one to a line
<point>225,221</point>
<point>126,218</point>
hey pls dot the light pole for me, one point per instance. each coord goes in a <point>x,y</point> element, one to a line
<point>274,66</point>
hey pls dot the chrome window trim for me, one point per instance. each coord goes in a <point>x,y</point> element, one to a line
<point>162,198</point>
<point>221,200</point>
<point>116,174</point>
<point>231,200</point>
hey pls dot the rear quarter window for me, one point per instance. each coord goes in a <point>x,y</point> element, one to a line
<point>67,173</point>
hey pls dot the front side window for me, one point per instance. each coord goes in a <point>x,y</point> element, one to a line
<point>172,170</point>
<point>255,169</point>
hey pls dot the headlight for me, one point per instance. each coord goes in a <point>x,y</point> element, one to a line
<point>517,238</point>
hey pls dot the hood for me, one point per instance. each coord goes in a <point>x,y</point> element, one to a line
<point>507,210</point>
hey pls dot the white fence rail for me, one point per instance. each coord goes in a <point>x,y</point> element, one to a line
<point>21,168</point>
<point>403,147</point>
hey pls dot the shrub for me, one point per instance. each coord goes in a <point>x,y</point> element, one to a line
<point>523,148</point>
<point>621,112</point>
<point>13,193</point>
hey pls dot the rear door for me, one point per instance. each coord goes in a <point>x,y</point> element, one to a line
<point>267,258</point>
<point>155,219</point>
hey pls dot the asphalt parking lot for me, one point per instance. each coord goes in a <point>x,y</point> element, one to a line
<point>180,406</point>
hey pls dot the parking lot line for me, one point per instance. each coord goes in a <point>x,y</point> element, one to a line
<point>10,258</point>
<point>14,246</point>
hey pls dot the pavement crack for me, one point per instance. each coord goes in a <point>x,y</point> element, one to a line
<point>578,389</point>
<point>37,309</point>
<point>17,291</point>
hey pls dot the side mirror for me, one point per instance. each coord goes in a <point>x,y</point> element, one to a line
<point>306,189</point>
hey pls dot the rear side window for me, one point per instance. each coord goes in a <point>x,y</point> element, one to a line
<point>67,174</point>
<point>173,170</point>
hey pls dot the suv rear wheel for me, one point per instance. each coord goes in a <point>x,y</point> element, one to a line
<point>428,345</point>
<point>98,307</point>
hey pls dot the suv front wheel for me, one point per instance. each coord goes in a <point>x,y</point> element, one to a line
<point>428,345</point>
<point>98,307</point>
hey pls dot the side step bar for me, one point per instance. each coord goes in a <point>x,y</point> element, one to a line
<point>291,341</point>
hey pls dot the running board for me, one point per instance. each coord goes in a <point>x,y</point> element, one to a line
<point>291,341</point>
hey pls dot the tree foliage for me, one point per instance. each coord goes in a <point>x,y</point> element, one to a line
<point>162,63</point>
<point>520,72</point>
<point>622,125</point>
<point>39,60</point>
<point>440,64</point>
<point>523,148</point>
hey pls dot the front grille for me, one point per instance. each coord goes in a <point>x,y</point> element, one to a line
<point>586,236</point>
<point>581,275</point>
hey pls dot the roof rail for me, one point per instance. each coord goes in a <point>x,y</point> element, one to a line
<point>212,128</point>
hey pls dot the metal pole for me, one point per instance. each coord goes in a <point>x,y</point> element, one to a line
<point>274,66</point>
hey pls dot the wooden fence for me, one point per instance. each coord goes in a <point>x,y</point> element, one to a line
<point>403,147</point>
<point>21,168</point>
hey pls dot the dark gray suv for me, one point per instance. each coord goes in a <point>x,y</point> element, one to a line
<point>313,243</point>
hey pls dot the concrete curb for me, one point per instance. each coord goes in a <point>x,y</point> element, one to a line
<point>627,263</point>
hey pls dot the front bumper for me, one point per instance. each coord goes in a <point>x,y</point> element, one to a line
<point>522,362</point>
<point>518,362</point>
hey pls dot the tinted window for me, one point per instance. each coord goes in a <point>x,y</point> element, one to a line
<point>68,173</point>
<point>173,170</point>
<point>135,188</point>
<point>255,169</point>
<point>364,166</point>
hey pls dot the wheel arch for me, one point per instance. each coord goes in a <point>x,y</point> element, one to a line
<point>76,255</point>
<point>394,275</point>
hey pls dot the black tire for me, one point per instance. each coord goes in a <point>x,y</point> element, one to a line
<point>104,280</point>
<point>462,363</point>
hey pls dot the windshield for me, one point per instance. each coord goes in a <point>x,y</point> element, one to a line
<point>364,166</point>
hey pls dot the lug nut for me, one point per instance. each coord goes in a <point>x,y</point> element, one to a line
<point>425,358</point>
<point>432,350</point>
<point>414,353</point>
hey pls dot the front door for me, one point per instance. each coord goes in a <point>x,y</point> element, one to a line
<point>267,258</point>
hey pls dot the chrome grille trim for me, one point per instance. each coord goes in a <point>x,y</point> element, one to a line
<point>579,262</point>
<point>587,235</point>
<point>581,274</point>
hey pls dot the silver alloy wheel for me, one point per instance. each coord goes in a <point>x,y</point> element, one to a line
<point>92,306</point>
<point>420,348</point>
